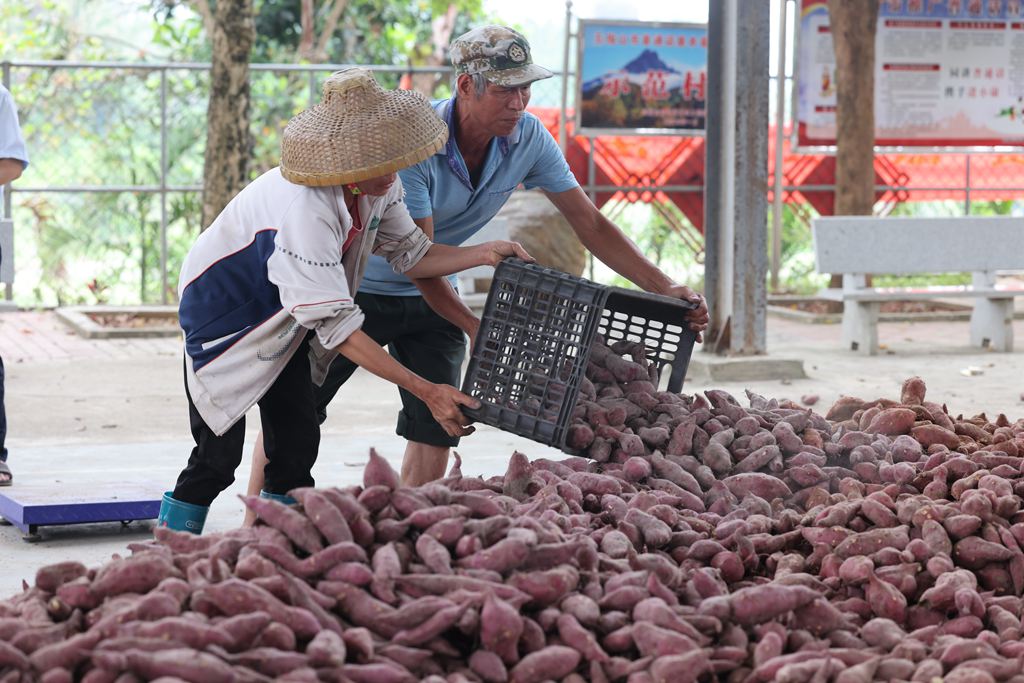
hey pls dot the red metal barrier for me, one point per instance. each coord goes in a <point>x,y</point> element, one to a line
<point>808,178</point>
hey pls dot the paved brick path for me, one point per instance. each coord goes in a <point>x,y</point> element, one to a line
<point>27,336</point>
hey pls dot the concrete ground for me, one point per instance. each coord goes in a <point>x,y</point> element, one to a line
<point>87,415</point>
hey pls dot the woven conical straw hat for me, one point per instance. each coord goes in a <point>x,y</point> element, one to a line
<point>359,131</point>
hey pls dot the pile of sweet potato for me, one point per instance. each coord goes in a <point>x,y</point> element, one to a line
<point>706,541</point>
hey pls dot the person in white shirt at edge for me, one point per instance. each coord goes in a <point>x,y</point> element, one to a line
<point>266,292</point>
<point>494,145</point>
<point>13,160</point>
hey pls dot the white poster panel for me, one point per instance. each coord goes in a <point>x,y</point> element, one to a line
<point>947,73</point>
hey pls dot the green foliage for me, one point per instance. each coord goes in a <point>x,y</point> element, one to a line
<point>101,127</point>
<point>796,263</point>
<point>35,30</point>
<point>656,230</point>
<point>369,31</point>
<point>797,274</point>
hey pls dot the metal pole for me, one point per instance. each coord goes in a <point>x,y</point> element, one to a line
<point>736,266</point>
<point>967,187</point>
<point>7,188</point>
<point>713,209</point>
<point>8,287</point>
<point>312,88</point>
<point>163,187</point>
<point>780,122</point>
<point>593,195</point>
<point>749,200</point>
<point>562,135</point>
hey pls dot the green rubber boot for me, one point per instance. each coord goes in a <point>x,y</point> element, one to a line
<point>279,497</point>
<point>180,516</point>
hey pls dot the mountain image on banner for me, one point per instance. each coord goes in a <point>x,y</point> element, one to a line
<point>636,72</point>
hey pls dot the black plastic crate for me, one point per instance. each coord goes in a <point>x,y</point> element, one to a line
<point>535,337</point>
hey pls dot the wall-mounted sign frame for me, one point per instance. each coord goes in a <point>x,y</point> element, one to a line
<point>641,78</point>
<point>947,75</point>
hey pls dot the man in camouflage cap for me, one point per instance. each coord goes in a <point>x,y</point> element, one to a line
<point>494,146</point>
<point>500,54</point>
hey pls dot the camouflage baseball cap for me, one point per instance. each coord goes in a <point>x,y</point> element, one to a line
<point>499,53</point>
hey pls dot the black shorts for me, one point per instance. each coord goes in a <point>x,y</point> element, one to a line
<point>419,339</point>
<point>291,438</point>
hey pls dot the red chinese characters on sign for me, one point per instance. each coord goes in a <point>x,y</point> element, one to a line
<point>656,40</point>
<point>615,87</point>
<point>654,87</point>
<point>694,88</point>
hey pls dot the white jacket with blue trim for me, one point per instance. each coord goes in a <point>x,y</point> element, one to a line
<point>270,267</point>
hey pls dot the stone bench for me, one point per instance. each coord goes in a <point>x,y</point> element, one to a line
<point>858,246</point>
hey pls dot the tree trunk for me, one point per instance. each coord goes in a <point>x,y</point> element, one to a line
<point>853,25</point>
<point>306,40</point>
<point>228,142</point>
<point>441,34</point>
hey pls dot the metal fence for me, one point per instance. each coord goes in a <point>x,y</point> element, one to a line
<point>121,145</point>
<point>132,130</point>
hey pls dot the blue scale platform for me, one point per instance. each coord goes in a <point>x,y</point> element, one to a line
<point>29,507</point>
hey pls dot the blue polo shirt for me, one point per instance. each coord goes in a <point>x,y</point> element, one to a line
<point>440,187</point>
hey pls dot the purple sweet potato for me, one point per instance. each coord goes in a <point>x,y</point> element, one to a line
<point>136,574</point>
<point>488,666</point>
<point>576,636</point>
<point>12,657</point>
<point>437,624</point>
<point>327,649</point>
<point>183,664</point>
<point>433,554</point>
<point>295,525</point>
<point>761,485</point>
<point>685,668</point>
<point>758,604</point>
<point>359,607</point>
<point>930,434</point>
<point>580,436</point>
<point>423,584</point>
<point>552,662</point>
<point>913,391</point>
<point>326,517</point>
<point>190,632</point>
<point>886,601</point>
<point>655,532</point>
<point>356,515</point>
<point>654,641</point>
<point>546,587</point>
<point>517,476</point>
<point>387,565</point>
<point>52,576</point>
<point>501,626</point>
<point>974,552</point>
<point>501,557</point>
<point>892,422</point>
<point>242,629</point>
<point>235,596</point>
<point>375,498</point>
<point>378,472</point>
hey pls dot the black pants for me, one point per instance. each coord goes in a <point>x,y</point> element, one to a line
<point>419,339</point>
<point>3,415</point>
<point>291,439</point>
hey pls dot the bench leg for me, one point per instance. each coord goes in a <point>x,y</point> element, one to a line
<point>860,326</point>
<point>992,324</point>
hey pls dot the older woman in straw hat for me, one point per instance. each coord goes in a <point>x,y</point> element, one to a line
<point>267,290</point>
